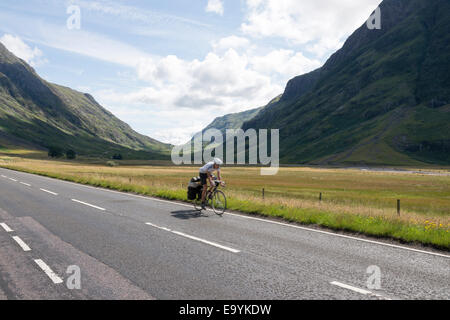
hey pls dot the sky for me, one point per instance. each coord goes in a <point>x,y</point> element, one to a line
<point>169,68</point>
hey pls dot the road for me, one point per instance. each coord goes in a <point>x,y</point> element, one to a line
<point>132,247</point>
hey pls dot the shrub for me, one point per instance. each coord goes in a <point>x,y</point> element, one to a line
<point>70,154</point>
<point>112,164</point>
<point>55,152</point>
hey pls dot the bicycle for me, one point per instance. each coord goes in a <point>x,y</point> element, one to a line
<point>215,199</point>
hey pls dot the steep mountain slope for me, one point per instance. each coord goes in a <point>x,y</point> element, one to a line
<point>46,114</point>
<point>384,98</point>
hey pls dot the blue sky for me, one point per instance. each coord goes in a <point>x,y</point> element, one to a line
<point>168,68</point>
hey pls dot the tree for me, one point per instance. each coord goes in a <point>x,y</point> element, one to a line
<point>55,152</point>
<point>71,155</point>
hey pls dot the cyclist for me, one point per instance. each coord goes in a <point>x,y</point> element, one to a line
<point>206,174</point>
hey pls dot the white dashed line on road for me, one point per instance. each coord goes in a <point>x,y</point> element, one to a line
<point>22,244</point>
<point>49,272</point>
<point>53,193</point>
<point>6,227</point>
<point>89,205</point>
<point>195,238</point>
<point>358,290</point>
<point>26,184</point>
<point>12,179</point>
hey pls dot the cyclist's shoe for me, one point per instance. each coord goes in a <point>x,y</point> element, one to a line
<point>203,205</point>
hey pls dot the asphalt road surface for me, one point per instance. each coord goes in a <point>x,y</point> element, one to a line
<point>125,246</point>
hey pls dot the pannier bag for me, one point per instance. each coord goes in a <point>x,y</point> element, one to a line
<point>194,188</point>
<point>195,182</point>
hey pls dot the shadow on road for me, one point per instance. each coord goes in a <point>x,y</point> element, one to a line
<point>187,214</point>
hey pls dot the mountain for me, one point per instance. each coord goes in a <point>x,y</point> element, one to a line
<point>34,112</point>
<point>232,121</point>
<point>383,98</point>
<point>235,120</point>
<point>229,121</point>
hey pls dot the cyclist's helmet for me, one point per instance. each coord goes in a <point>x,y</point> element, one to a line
<point>218,161</point>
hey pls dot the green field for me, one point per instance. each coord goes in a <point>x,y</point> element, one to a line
<point>352,200</point>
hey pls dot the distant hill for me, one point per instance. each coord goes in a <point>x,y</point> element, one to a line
<point>384,98</point>
<point>232,121</point>
<point>229,121</point>
<point>34,112</point>
<point>235,120</point>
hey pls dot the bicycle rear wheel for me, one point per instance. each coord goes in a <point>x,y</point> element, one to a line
<point>198,204</point>
<point>219,203</point>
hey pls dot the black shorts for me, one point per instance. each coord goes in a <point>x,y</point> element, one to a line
<point>204,178</point>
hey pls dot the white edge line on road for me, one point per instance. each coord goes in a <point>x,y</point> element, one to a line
<point>6,227</point>
<point>53,193</point>
<point>343,236</point>
<point>358,290</point>
<point>22,244</point>
<point>195,238</point>
<point>252,218</point>
<point>49,272</point>
<point>89,205</point>
<point>26,184</point>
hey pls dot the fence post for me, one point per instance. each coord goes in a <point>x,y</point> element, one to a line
<point>263,193</point>
<point>320,197</point>
<point>398,207</point>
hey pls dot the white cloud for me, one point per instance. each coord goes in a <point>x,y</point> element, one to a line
<point>222,82</point>
<point>32,56</point>
<point>89,44</point>
<point>322,25</point>
<point>177,136</point>
<point>191,93</point>
<point>215,6</point>
<point>286,63</point>
<point>231,42</point>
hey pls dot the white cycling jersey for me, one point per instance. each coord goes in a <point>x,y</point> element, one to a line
<point>208,168</point>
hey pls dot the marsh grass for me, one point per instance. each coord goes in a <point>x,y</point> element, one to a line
<point>356,201</point>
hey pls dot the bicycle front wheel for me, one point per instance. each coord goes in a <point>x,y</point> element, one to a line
<point>219,203</point>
